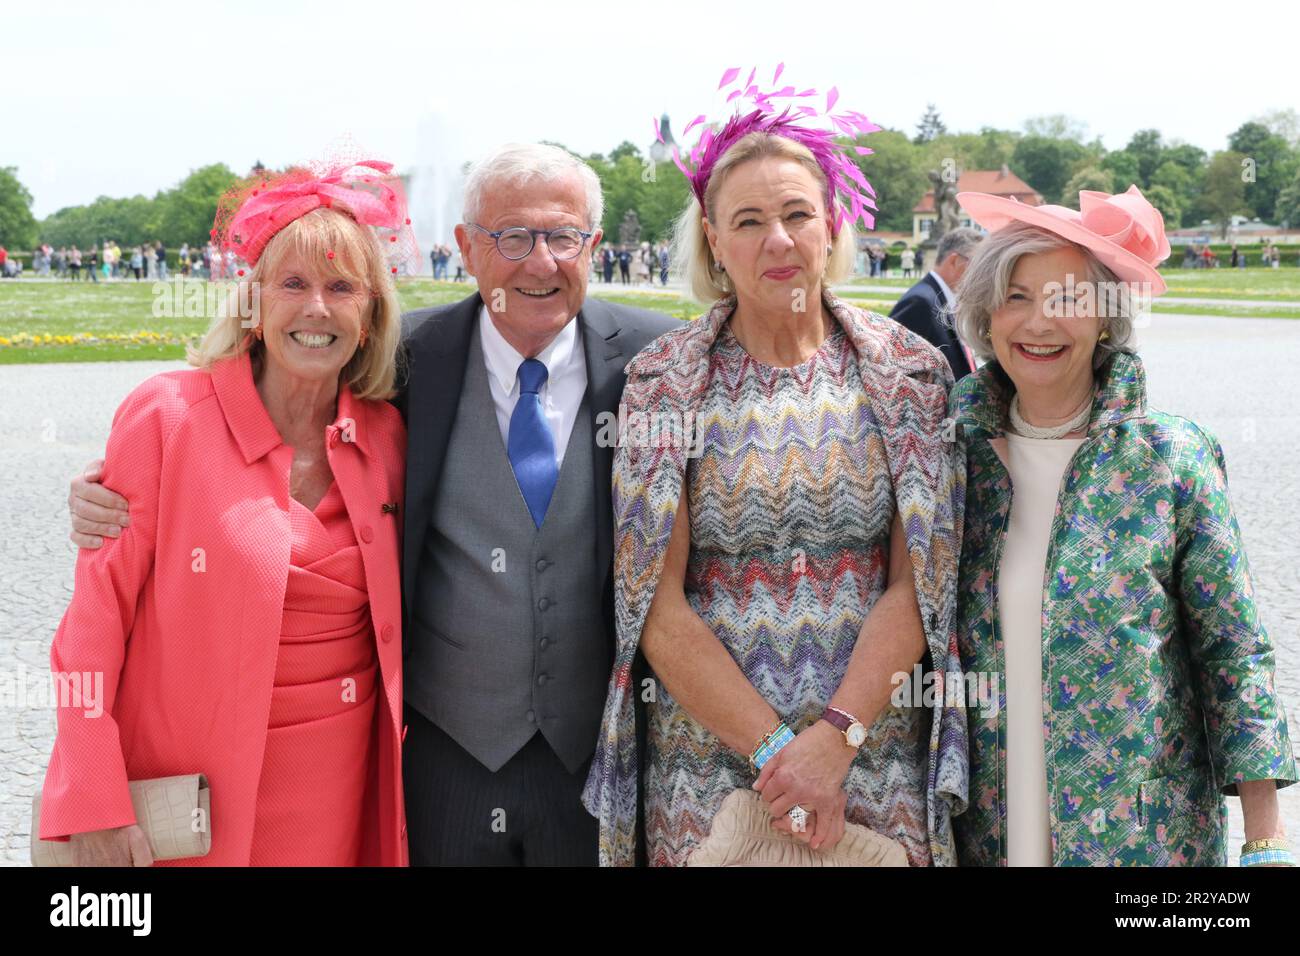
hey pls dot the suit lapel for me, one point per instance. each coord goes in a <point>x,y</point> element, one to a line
<point>605,378</point>
<point>938,292</point>
<point>436,373</point>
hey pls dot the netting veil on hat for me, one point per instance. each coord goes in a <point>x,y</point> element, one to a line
<point>252,212</point>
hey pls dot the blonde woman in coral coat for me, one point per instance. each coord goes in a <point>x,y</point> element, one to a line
<point>247,622</point>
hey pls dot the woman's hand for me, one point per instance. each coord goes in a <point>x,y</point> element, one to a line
<point>118,846</point>
<point>809,771</point>
<point>823,830</point>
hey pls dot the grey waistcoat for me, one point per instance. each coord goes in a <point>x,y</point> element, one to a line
<point>507,636</point>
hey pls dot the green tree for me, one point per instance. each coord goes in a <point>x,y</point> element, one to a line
<point>1178,183</point>
<point>1123,168</point>
<point>18,229</point>
<point>1168,202</point>
<point>1270,162</point>
<point>658,193</point>
<point>1147,148</point>
<point>997,146</point>
<point>187,211</point>
<point>987,149</point>
<point>1047,164</point>
<point>1088,178</point>
<point>897,172</point>
<point>1285,123</point>
<point>1056,126</point>
<point>624,148</point>
<point>128,221</point>
<point>1288,203</point>
<point>1191,158</point>
<point>930,127</point>
<point>1224,194</point>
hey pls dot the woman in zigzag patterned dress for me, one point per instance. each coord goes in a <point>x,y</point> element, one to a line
<point>779,570</point>
<point>790,511</point>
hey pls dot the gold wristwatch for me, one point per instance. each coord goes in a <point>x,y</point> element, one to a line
<point>855,735</point>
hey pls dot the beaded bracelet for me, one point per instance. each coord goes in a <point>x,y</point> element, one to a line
<point>1265,857</point>
<point>770,744</point>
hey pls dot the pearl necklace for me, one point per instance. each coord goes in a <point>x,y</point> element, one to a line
<point>1026,430</point>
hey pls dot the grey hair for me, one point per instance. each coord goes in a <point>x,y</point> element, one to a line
<point>961,241</point>
<point>518,163</point>
<point>983,289</point>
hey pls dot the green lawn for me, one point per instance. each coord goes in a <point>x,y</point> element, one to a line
<point>116,321</point>
<point>86,322</point>
<point>1279,285</point>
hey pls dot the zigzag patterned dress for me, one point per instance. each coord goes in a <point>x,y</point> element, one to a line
<point>791,506</point>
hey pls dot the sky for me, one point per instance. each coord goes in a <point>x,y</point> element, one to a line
<point>131,101</point>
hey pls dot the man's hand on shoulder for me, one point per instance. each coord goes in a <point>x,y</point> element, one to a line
<point>96,512</point>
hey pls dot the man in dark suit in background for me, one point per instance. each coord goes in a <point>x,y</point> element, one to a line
<point>923,308</point>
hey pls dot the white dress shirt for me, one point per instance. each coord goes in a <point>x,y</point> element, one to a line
<point>943,287</point>
<point>561,393</point>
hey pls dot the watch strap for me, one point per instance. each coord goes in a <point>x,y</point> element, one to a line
<point>838,719</point>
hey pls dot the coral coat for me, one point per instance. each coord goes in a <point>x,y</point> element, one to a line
<point>182,613</point>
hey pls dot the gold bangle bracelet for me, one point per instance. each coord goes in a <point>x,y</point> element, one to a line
<point>1270,844</point>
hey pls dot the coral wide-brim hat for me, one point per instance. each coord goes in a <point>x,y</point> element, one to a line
<point>1124,231</point>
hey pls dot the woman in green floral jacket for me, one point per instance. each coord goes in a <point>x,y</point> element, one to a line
<point>1110,597</point>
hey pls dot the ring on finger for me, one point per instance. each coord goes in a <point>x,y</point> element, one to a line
<point>798,818</point>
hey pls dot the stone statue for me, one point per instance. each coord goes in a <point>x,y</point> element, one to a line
<point>945,205</point>
<point>629,230</point>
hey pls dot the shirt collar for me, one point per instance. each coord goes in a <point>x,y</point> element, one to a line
<point>503,360</point>
<point>251,424</point>
<point>943,287</point>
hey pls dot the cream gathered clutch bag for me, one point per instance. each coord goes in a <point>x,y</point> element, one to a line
<point>174,812</point>
<point>741,835</point>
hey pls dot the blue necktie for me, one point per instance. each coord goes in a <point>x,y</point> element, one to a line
<point>531,447</point>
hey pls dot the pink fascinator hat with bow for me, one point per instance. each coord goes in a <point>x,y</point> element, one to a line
<point>1124,231</point>
<point>251,214</point>
<point>788,112</point>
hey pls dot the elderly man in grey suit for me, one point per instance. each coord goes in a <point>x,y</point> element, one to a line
<point>924,307</point>
<point>507,554</point>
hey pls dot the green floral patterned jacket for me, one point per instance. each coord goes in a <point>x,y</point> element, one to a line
<point>1158,690</point>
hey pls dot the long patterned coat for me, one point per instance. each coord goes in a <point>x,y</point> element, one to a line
<point>908,380</point>
<point>1157,687</point>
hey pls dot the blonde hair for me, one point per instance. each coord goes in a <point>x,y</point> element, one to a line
<point>351,251</point>
<point>692,256</point>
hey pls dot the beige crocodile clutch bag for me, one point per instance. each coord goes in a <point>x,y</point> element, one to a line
<point>741,835</point>
<point>174,812</point>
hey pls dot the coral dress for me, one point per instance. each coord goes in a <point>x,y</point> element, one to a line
<point>323,704</point>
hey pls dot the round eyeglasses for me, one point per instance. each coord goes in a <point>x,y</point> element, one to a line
<point>517,242</point>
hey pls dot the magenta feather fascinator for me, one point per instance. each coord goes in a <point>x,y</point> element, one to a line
<point>849,193</point>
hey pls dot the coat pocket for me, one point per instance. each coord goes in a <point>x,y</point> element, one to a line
<point>422,627</point>
<point>1180,813</point>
